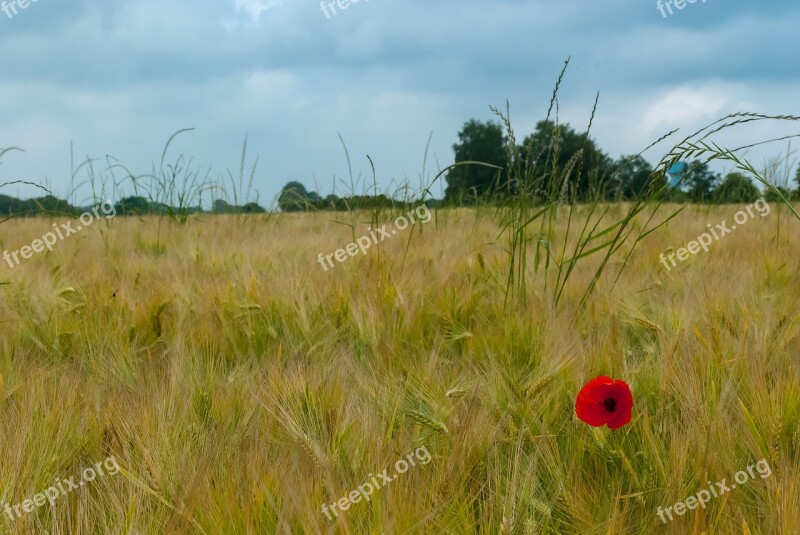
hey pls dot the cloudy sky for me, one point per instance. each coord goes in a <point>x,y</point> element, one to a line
<point>119,77</point>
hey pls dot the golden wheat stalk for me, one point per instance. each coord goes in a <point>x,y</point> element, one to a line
<point>428,421</point>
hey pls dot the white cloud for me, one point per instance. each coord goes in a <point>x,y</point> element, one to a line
<point>256,7</point>
<point>686,105</point>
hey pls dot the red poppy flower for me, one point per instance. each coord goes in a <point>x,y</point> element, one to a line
<point>603,401</point>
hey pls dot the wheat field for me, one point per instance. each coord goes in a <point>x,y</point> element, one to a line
<point>239,387</point>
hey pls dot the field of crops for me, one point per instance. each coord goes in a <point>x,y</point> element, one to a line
<point>219,380</point>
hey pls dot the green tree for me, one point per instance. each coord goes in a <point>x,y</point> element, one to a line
<point>294,198</point>
<point>556,152</point>
<point>771,196</point>
<point>221,206</point>
<point>252,208</point>
<point>134,205</point>
<point>699,182</point>
<point>480,142</point>
<point>630,176</point>
<point>797,178</point>
<point>332,202</point>
<point>736,188</point>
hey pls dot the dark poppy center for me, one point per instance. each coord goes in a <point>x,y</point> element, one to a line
<point>610,404</point>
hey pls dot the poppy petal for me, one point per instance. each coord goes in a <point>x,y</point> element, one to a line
<point>589,405</point>
<point>624,399</point>
<point>592,404</point>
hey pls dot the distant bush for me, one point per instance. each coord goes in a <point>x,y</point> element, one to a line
<point>736,189</point>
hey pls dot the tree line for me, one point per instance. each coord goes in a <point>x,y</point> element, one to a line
<point>551,153</point>
<point>134,205</point>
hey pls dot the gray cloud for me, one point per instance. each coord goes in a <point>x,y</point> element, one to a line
<point>119,77</point>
